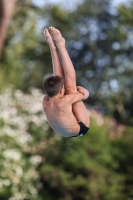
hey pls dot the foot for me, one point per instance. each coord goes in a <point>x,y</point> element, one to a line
<point>49,39</point>
<point>57,37</point>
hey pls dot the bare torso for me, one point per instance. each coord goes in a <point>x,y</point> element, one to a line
<point>60,116</point>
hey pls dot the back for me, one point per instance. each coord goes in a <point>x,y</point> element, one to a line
<point>60,116</point>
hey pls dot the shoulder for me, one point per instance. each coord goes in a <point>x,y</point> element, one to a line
<point>45,101</point>
<point>45,98</point>
<point>67,98</point>
<point>60,103</point>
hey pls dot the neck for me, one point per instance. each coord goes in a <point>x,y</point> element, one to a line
<point>58,96</point>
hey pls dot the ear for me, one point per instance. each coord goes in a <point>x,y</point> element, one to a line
<point>61,91</point>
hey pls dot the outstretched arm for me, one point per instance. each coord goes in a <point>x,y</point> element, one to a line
<point>83,91</point>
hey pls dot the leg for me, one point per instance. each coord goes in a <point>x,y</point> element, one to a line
<point>69,72</point>
<point>57,68</point>
<point>79,109</point>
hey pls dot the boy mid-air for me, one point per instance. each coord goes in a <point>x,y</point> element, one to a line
<point>63,105</point>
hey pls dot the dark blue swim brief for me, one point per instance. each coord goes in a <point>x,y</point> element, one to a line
<point>83,129</point>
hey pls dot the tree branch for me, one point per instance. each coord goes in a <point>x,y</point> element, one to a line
<point>6,12</point>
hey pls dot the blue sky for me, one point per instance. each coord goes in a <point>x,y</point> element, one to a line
<point>70,3</point>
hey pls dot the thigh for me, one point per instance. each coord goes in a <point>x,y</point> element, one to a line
<point>80,112</point>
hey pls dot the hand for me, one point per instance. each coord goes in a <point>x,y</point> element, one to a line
<point>83,91</point>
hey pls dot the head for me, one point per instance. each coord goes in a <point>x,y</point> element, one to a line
<point>54,86</point>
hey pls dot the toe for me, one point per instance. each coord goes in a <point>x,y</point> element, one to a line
<point>48,32</point>
<point>45,31</point>
<point>50,29</point>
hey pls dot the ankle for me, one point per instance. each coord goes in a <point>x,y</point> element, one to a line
<point>61,45</point>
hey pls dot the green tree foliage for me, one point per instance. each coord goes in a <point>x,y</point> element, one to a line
<point>99,43</point>
<point>107,64</point>
<point>88,168</point>
<point>35,162</point>
<point>126,17</point>
<point>38,164</point>
<point>25,57</point>
<point>20,116</point>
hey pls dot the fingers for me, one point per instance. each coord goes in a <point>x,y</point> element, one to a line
<point>86,94</point>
